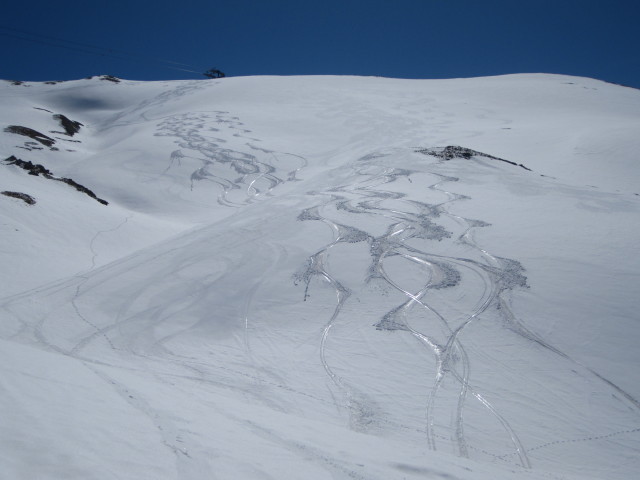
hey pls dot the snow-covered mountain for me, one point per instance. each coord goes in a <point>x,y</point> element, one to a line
<point>320,278</point>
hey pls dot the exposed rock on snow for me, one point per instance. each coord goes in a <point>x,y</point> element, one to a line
<point>109,78</point>
<point>71,127</point>
<point>37,169</point>
<point>28,199</point>
<point>452,151</point>
<point>31,133</point>
<point>31,168</point>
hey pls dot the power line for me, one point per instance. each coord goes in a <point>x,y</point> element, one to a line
<point>94,47</point>
<point>91,49</point>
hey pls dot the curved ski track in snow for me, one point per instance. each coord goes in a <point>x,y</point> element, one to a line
<point>494,277</point>
<point>242,174</point>
<point>409,225</point>
<point>459,287</point>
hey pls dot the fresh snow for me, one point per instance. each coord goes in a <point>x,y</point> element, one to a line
<point>292,280</point>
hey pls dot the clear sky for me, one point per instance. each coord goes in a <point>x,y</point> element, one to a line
<point>136,39</point>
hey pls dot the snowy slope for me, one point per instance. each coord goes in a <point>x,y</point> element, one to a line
<point>294,278</point>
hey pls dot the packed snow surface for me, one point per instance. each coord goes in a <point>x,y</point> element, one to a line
<point>320,278</point>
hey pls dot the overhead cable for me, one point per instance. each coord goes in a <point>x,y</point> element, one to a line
<point>90,49</point>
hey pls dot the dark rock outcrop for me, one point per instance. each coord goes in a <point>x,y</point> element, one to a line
<point>31,133</point>
<point>28,199</point>
<point>453,151</point>
<point>71,127</point>
<point>109,78</point>
<point>82,189</point>
<point>32,168</point>
<point>36,169</point>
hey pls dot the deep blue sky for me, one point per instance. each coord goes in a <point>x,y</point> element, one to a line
<point>392,38</point>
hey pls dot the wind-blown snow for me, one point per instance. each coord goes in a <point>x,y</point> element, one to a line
<point>294,278</point>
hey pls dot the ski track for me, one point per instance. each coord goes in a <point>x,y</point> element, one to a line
<point>408,225</point>
<point>233,171</point>
<point>366,196</point>
<point>245,172</point>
